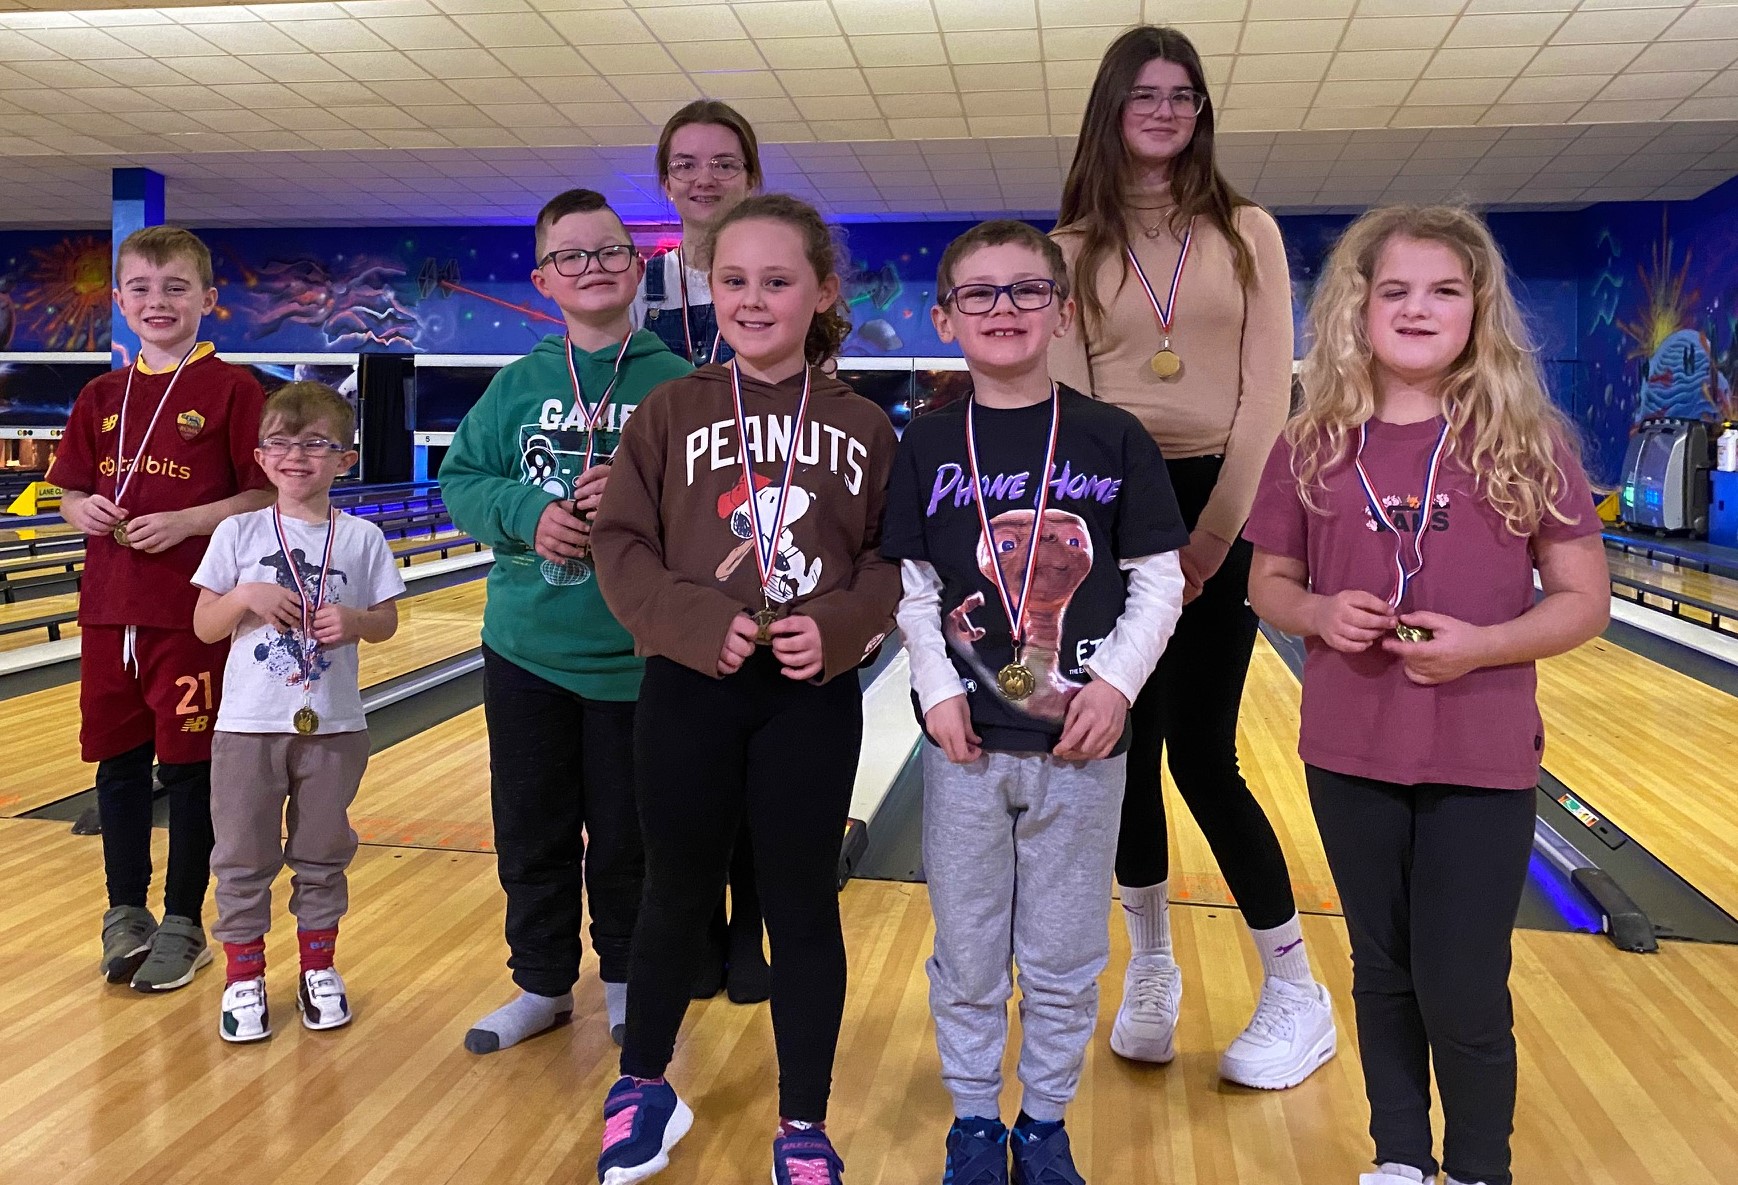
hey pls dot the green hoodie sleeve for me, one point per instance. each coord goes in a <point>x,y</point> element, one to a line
<point>479,477</point>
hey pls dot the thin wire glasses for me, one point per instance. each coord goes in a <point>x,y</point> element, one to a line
<point>725,168</point>
<point>573,261</point>
<point>1184,104</point>
<point>283,446</point>
<point>974,300</point>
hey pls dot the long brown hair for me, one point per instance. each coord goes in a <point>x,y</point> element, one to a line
<point>830,327</point>
<point>1503,426</point>
<point>1093,197</point>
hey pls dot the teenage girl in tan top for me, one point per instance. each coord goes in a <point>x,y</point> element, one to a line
<point>1194,336</point>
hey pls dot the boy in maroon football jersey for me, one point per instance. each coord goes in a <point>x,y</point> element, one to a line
<point>154,457</point>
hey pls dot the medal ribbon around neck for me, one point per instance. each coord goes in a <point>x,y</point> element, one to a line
<point>594,416</point>
<point>1403,574</point>
<point>309,647</point>
<point>688,333</point>
<point>124,473</point>
<point>1015,609</point>
<point>766,546</point>
<point>1167,311</point>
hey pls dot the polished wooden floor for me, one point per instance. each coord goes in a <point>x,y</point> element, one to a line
<point>1704,586</point>
<point>1629,1063</point>
<point>433,626</point>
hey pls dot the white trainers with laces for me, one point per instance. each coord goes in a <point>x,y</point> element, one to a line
<point>1392,1174</point>
<point>245,1016</point>
<point>321,1000</point>
<point>1152,996</point>
<point>1290,1035</point>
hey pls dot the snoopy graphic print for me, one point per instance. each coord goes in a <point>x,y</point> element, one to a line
<point>273,673</point>
<point>1103,496</point>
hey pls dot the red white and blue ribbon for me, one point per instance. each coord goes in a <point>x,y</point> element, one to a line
<point>766,545</point>
<point>594,416</point>
<point>123,472</point>
<point>1167,311</point>
<point>309,646</point>
<point>1403,573</point>
<point>688,333</point>
<point>1014,608</point>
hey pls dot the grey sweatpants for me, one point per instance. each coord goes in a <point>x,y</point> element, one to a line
<point>253,775</point>
<point>1018,849</point>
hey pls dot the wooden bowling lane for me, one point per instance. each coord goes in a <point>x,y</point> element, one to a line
<point>1704,586</point>
<point>432,627</point>
<point>431,791</point>
<point>1629,1065</point>
<point>1654,751</point>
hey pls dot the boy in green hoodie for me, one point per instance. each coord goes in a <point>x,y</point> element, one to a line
<point>560,679</point>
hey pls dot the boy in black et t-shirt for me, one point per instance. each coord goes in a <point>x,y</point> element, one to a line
<point>1037,534</point>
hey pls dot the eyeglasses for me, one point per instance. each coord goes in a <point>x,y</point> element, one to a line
<point>725,168</point>
<point>1184,104</point>
<point>283,446</point>
<point>975,300</point>
<point>617,257</point>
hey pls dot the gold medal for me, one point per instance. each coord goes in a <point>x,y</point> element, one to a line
<point>120,534</point>
<point>306,720</point>
<point>1166,364</point>
<point>763,626</point>
<point>1413,633</point>
<point>1016,681</point>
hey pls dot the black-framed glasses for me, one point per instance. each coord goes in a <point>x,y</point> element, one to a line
<point>283,446</point>
<point>725,168</point>
<point>975,300</point>
<point>573,261</point>
<point>1185,104</point>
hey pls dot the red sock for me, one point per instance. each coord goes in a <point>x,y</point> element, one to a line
<point>317,947</point>
<point>245,960</point>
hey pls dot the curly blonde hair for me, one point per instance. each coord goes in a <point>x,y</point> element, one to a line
<point>1503,427</point>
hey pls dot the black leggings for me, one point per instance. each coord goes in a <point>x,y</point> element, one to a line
<point>1187,712</point>
<point>780,756</point>
<point>561,791</point>
<point>124,802</point>
<point>1430,878</point>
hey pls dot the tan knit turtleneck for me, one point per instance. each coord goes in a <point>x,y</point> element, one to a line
<point>1234,391</point>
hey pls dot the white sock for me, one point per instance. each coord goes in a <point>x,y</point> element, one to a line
<point>615,1002</point>
<point>1147,914</point>
<point>1282,952</point>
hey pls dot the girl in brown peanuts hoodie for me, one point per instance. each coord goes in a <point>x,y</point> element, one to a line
<point>738,541</point>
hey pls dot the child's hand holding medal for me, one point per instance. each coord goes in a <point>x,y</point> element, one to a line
<point>1448,650</point>
<point>1352,619</point>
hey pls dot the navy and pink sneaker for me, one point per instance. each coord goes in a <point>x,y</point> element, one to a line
<point>805,1157</point>
<point>641,1123</point>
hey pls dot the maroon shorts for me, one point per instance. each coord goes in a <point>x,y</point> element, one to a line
<point>169,694</point>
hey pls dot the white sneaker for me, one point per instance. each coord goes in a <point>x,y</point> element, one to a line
<point>321,1000</point>
<point>1392,1174</point>
<point>1291,1033</point>
<point>245,1016</point>
<point>1152,996</point>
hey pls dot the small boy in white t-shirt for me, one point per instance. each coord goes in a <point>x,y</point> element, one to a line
<point>295,586</point>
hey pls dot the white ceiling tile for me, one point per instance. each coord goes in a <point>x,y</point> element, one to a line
<point>986,14</point>
<point>697,22</point>
<point>1627,111</point>
<point>72,43</point>
<point>426,92</point>
<point>541,61</point>
<point>58,73</point>
<point>514,29</point>
<point>1708,108</point>
<point>1388,93</point>
<point>815,107</point>
<point>739,84</point>
<point>1479,63</point>
<point>887,16</point>
<point>1561,88</point>
<point>1581,59</point>
<point>1282,67</point>
<point>807,53</point>
<point>255,96</point>
<point>1411,8</point>
<point>900,49</point>
<point>1423,32</point>
<point>377,67</point>
<point>913,106</point>
<point>850,129</point>
<point>1264,10</point>
<point>244,37</point>
<point>421,32</point>
<point>133,72</point>
<point>1293,36</point>
<point>824,82</point>
<point>601,114</point>
<point>1702,23</point>
<point>717,55</point>
<point>789,18</point>
<point>1680,85</point>
<point>1056,14</point>
<point>892,80</point>
<point>1081,42</point>
<point>1635,24</point>
<point>627,59</point>
<point>1217,38</point>
<point>333,36</point>
<point>213,71</point>
<point>1440,116</point>
<point>1254,96</point>
<point>1070,75</point>
<point>293,67</point>
<point>1521,28</point>
<point>1457,91</point>
<point>977,48</point>
<point>1357,65</point>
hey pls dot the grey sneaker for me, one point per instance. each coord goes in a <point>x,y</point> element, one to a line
<point>177,950</point>
<point>127,931</point>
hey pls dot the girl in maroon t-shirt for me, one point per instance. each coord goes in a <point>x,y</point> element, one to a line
<point>1397,528</point>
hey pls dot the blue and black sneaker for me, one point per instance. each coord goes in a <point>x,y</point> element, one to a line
<point>977,1153</point>
<point>641,1123</point>
<point>1042,1155</point>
